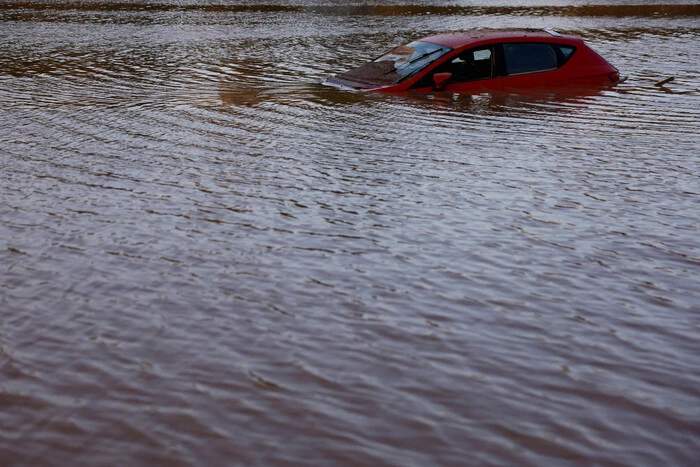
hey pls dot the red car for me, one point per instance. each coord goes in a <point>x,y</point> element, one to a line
<point>482,59</point>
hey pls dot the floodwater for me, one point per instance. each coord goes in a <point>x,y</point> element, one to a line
<point>208,258</point>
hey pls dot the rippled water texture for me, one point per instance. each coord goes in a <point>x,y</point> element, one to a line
<point>207,257</point>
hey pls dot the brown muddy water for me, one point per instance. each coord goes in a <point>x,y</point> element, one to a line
<point>208,258</point>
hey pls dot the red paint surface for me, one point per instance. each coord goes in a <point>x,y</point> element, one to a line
<point>585,67</point>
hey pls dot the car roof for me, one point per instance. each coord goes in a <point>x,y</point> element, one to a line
<point>462,38</point>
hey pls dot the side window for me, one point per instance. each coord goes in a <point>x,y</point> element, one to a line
<point>567,50</point>
<point>565,53</point>
<point>472,65</point>
<point>529,57</point>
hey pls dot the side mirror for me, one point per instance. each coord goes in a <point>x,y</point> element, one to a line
<point>440,79</point>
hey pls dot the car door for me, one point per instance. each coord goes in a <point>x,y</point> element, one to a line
<point>528,64</point>
<point>471,70</point>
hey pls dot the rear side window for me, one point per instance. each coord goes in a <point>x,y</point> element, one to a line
<point>529,57</point>
<point>567,51</point>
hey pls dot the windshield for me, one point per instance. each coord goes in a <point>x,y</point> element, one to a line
<point>409,58</point>
<point>392,67</point>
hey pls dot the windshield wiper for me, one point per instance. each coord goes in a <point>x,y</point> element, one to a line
<point>420,57</point>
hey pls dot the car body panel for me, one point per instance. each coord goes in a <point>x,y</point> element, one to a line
<point>582,67</point>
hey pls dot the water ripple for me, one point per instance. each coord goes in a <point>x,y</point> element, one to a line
<point>198,236</point>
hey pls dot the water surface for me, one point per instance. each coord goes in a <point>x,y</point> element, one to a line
<point>209,258</point>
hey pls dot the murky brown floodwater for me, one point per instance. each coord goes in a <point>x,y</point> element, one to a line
<point>209,258</point>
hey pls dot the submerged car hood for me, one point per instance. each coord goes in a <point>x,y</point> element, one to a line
<point>368,76</point>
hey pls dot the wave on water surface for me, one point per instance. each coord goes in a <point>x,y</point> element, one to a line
<point>199,237</point>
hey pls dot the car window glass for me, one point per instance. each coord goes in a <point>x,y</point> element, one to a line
<point>527,58</point>
<point>483,54</point>
<point>566,51</point>
<point>471,65</point>
<point>410,58</point>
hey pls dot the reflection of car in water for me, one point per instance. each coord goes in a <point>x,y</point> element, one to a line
<point>482,59</point>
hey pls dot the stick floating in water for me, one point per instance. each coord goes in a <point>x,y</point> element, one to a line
<point>665,81</point>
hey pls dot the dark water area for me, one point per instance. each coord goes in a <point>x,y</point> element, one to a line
<point>209,258</point>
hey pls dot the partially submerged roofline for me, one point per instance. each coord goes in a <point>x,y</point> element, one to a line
<point>458,39</point>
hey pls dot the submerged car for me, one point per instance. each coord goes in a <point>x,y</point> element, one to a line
<point>482,59</point>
